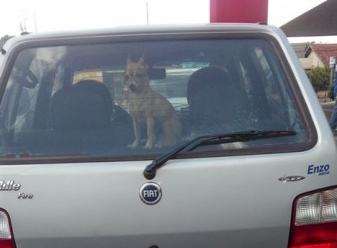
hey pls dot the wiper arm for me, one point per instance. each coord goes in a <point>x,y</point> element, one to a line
<point>150,170</point>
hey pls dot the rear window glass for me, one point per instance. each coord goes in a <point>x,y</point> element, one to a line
<point>143,98</point>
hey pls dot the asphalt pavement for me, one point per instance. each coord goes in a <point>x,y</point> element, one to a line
<point>327,108</point>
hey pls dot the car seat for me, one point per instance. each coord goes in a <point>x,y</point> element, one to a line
<point>85,105</point>
<point>81,117</point>
<point>214,101</point>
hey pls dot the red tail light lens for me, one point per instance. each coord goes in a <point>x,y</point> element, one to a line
<point>314,221</point>
<point>6,233</point>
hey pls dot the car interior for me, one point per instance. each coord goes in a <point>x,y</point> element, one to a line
<point>219,92</point>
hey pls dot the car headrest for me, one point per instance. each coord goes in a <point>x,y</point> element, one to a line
<point>84,105</point>
<point>212,97</point>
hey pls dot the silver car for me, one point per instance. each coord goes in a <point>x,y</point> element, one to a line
<point>85,163</point>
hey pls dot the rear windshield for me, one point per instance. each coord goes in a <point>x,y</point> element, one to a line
<point>138,99</point>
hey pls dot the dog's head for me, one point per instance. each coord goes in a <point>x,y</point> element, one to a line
<point>136,77</point>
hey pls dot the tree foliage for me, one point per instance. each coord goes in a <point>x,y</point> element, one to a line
<point>319,77</point>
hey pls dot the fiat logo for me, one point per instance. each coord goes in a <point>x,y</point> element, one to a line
<point>150,193</point>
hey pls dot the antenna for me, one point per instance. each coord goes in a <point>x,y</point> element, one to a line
<point>147,12</point>
<point>23,27</point>
<point>35,21</point>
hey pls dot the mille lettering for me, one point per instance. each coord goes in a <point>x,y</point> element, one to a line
<point>9,186</point>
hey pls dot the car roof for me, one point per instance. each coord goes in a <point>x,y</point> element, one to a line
<point>144,29</point>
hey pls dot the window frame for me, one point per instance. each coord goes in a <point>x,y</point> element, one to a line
<point>299,101</point>
<point>264,79</point>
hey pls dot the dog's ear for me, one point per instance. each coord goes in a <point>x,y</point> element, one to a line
<point>141,62</point>
<point>128,61</point>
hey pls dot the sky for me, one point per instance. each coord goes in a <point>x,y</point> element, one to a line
<point>61,15</point>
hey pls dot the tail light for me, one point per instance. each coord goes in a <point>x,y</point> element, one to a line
<point>6,232</point>
<point>314,220</point>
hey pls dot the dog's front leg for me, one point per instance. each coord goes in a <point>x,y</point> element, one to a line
<point>136,131</point>
<point>150,133</point>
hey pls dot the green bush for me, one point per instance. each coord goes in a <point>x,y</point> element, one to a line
<point>320,78</point>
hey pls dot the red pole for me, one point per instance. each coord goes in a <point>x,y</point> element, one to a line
<point>247,11</point>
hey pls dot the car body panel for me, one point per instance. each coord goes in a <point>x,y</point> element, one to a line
<point>233,201</point>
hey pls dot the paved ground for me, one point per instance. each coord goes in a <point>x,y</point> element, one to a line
<point>327,107</point>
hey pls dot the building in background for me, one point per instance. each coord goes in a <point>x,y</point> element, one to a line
<point>319,21</point>
<point>300,50</point>
<point>312,55</point>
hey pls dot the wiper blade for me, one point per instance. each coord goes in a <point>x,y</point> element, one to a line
<point>150,170</point>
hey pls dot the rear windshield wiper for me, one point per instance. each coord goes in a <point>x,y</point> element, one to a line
<point>151,169</point>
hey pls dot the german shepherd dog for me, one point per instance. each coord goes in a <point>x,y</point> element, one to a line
<point>148,107</point>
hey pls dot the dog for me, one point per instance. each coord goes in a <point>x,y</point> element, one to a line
<point>148,107</point>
